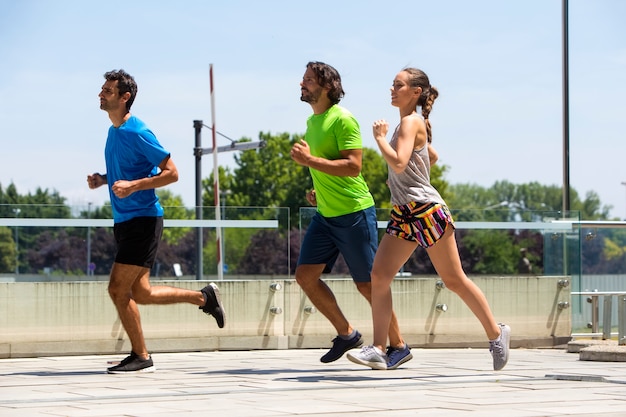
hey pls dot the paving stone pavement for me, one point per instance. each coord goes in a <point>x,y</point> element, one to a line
<point>437,382</point>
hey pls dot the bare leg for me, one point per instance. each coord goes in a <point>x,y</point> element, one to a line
<point>120,284</point>
<point>144,293</point>
<point>129,285</point>
<point>395,338</point>
<point>308,277</point>
<point>445,258</point>
<point>391,255</point>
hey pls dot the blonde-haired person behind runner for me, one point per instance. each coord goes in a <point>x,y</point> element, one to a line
<point>419,217</point>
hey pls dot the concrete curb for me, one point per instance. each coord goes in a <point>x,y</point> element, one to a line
<point>598,350</point>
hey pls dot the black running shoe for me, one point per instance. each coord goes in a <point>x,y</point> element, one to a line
<point>341,346</point>
<point>132,364</point>
<point>213,304</point>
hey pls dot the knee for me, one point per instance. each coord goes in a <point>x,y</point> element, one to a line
<point>118,295</point>
<point>456,284</point>
<point>301,280</point>
<point>365,288</point>
<point>141,297</point>
<point>304,279</point>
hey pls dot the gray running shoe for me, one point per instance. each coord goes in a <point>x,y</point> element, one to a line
<point>500,348</point>
<point>370,356</point>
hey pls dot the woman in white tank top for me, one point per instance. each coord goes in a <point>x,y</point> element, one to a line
<point>419,217</point>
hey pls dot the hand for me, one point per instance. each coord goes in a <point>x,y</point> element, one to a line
<point>311,198</point>
<point>380,129</point>
<point>301,153</point>
<point>122,188</point>
<point>95,180</point>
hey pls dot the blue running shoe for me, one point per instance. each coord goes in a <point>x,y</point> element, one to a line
<point>341,346</point>
<point>398,356</point>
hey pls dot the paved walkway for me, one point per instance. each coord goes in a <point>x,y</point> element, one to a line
<point>437,382</point>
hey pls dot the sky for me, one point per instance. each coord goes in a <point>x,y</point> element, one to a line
<point>497,64</point>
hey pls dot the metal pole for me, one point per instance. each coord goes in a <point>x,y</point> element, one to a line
<point>197,125</point>
<point>216,185</point>
<point>17,244</point>
<point>566,184</point>
<point>624,183</point>
<point>88,240</point>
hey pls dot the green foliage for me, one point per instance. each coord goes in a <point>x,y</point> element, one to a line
<point>7,250</point>
<point>495,251</point>
<point>173,208</point>
<point>374,170</point>
<point>523,197</point>
<point>437,179</point>
<point>265,177</point>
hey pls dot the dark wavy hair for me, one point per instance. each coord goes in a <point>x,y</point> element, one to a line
<point>328,77</point>
<point>125,84</point>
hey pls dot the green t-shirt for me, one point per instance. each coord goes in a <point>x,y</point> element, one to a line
<point>327,134</point>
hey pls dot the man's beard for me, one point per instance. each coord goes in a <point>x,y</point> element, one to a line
<point>310,97</point>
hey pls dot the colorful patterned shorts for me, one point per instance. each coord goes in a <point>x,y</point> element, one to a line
<point>419,222</point>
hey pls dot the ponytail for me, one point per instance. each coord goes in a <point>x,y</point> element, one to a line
<point>431,94</point>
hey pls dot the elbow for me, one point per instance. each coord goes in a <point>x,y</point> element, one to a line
<point>172,176</point>
<point>398,168</point>
<point>354,170</point>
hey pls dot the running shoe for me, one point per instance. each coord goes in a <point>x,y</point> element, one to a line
<point>132,364</point>
<point>341,346</point>
<point>370,356</point>
<point>213,304</point>
<point>398,356</point>
<point>499,348</point>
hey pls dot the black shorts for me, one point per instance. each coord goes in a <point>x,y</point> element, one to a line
<point>138,240</point>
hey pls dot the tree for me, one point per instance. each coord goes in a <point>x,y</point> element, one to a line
<point>266,254</point>
<point>58,252</point>
<point>269,178</point>
<point>173,209</point>
<point>7,250</point>
<point>374,170</point>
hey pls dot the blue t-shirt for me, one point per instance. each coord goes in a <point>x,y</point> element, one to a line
<point>132,152</point>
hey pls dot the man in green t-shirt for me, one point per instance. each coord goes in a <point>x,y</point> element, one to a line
<point>345,221</point>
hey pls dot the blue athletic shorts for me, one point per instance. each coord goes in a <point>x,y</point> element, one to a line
<point>138,240</point>
<point>353,235</point>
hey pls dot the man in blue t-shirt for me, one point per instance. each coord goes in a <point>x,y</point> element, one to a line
<point>136,165</point>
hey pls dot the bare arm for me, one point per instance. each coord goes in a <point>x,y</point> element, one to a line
<point>411,135</point>
<point>168,175</point>
<point>433,156</point>
<point>348,165</point>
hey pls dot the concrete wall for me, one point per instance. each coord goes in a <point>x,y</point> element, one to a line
<point>66,318</point>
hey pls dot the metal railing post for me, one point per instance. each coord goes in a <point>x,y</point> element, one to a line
<point>621,319</point>
<point>606,317</point>
<point>595,313</point>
